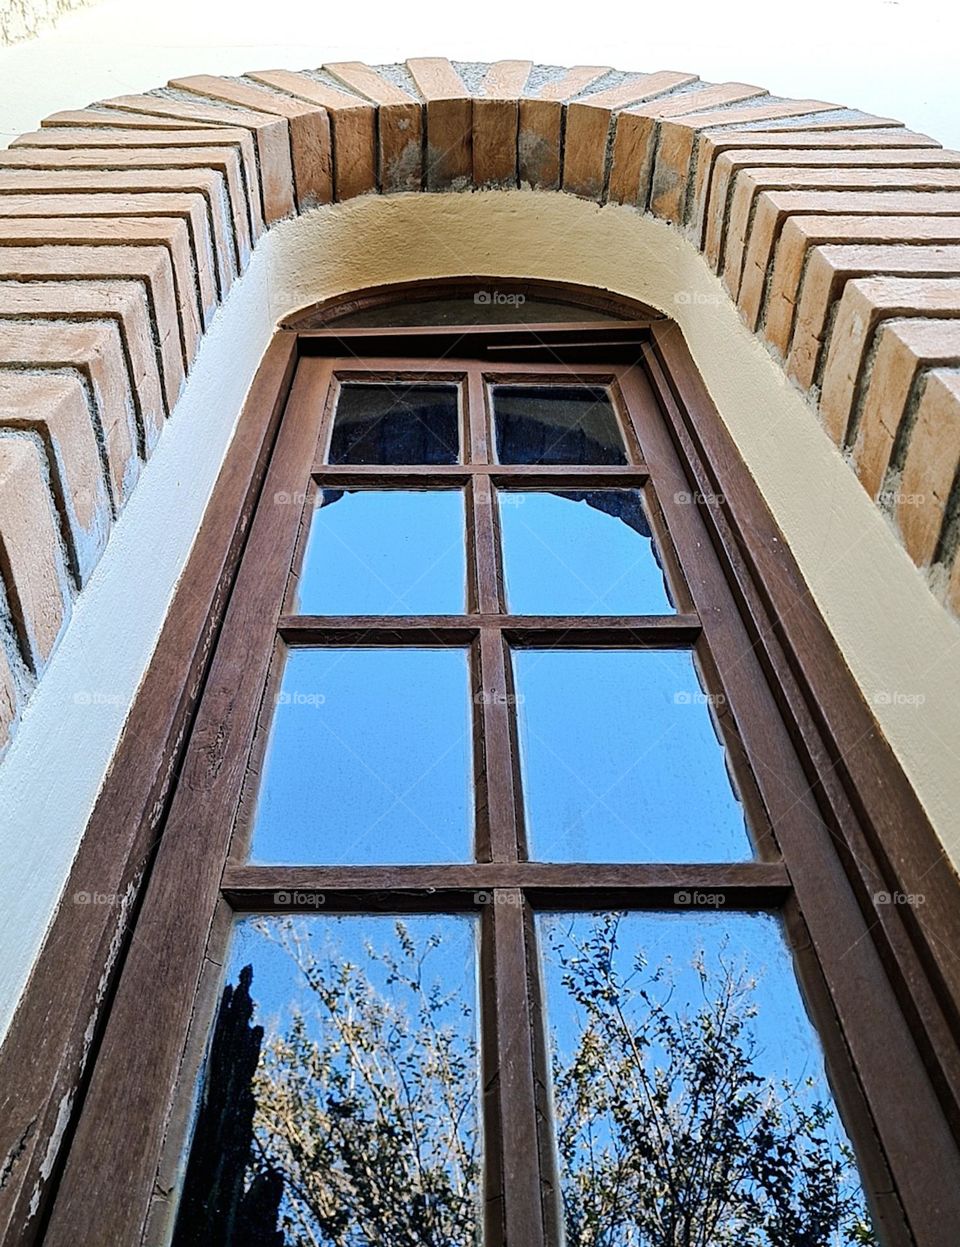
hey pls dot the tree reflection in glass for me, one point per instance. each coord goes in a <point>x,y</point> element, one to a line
<point>363,1125</point>
<point>692,1107</point>
<point>690,1103</point>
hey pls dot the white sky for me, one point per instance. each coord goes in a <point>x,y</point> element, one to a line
<point>894,57</point>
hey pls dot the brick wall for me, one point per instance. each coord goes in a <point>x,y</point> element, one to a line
<point>123,225</point>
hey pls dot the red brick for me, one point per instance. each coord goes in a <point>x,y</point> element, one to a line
<point>829,268</point>
<point>56,408</point>
<point>147,266</point>
<point>95,352</point>
<point>904,349</point>
<point>931,465</point>
<point>38,594</point>
<point>399,125</point>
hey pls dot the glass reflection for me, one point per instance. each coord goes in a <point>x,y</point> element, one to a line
<point>585,552</point>
<point>556,424</point>
<point>692,1105</point>
<point>396,423</point>
<point>368,760</point>
<point>339,1106</point>
<point>620,759</point>
<point>384,552</point>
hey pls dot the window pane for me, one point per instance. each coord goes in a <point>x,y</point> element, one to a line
<point>490,306</point>
<point>691,1100</point>
<point>580,553</point>
<point>368,759</point>
<point>555,424</point>
<point>340,1097</point>
<point>396,423</point>
<point>620,759</point>
<point>385,552</point>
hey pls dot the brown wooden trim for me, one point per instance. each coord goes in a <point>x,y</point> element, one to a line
<point>523,1221</point>
<point>894,847</point>
<point>59,1018</point>
<point>568,332</point>
<point>910,1119</point>
<point>534,630</point>
<point>318,315</point>
<point>167,949</point>
<point>505,475</point>
<point>744,885</point>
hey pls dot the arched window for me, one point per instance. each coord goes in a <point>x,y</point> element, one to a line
<point>510,888</point>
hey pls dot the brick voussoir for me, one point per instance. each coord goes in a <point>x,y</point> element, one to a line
<point>311,144</point>
<point>168,233</point>
<point>271,135</point>
<point>124,302</point>
<point>588,128</point>
<point>147,267</point>
<point>712,144</point>
<point>885,422</point>
<point>353,126</point>
<point>194,140</point>
<point>788,224</point>
<point>731,164</point>
<point>864,305</point>
<point>52,192</point>
<point>930,466</point>
<point>829,268</point>
<point>750,183</point>
<point>191,209</point>
<point>215,170</point>
<point>674,169</point>
<point>56,407</point>
<point>37,591</point>
<point>95,350</point>
<point>778,250</point>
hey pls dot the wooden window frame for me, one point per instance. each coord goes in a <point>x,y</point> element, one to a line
<point>881,979</point>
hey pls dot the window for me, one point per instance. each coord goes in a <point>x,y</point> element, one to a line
<point>494,905</point>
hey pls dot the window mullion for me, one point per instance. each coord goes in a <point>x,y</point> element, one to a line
<point>510,1078</point>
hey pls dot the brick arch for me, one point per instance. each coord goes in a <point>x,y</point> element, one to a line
<point>123,226</point>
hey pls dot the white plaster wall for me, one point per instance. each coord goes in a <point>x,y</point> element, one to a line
<point>894,57</point>
<point>900,644</point>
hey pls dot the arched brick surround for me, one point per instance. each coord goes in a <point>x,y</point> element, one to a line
<point>123,225</point>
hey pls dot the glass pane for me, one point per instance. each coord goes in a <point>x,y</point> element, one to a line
<point>580,553</point>
<point>490,306</point>
<point>368,759</point>
<point>556,424</point>
<point>384,552</point>
<point>400,422</point>
<point>691,1100</point>
<point>620,759</point>
<point>340,1097</point>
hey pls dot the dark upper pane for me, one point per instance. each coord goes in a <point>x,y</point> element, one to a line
<point>397,422</point>
<point>620,759</point>
<point>340,1097</point>
<point>580,553</point>
<point>368,760</point>
<point>556,424</point>
<point>692,1104</point>
<point>489,306</point>
<point>384,552</point>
